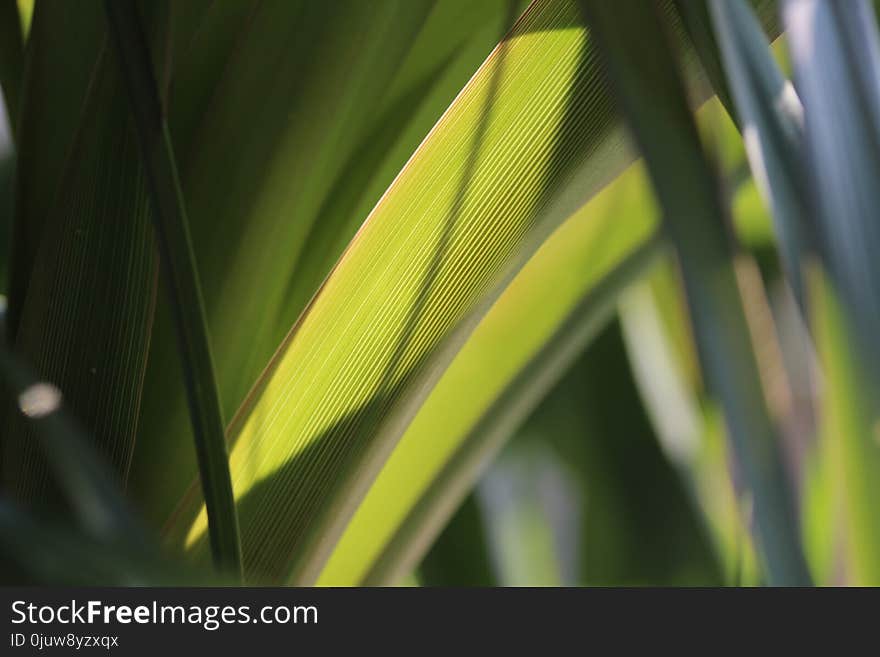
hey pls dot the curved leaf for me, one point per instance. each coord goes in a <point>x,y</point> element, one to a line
<point>528,140</point>
<point>514,357</point>
<point>303,120</point>
<point>508,162</point>
<point>446,442</point>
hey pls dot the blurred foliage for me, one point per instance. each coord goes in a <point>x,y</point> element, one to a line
<point>629,518</point>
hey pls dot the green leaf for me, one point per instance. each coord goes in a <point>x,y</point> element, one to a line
<point>60,61</point>
<point>519,351</point>
<point>86,317</point>
<point>642,68</point>
<point>848,451</point>
<point>459,220</point>
<point>303,120</point>
<point>181,279</point>
<point>339,394</point>
<point>772,127</point>
<point>404,509</point>
<point>835,52</point>
<point>697,23</point>
<point>25,14</point>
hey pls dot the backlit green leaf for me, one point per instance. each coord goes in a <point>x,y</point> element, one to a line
<point>518,352</point>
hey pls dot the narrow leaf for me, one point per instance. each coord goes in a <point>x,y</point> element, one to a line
<point>496,174</point>
<point>181,279</point>
<point>686,423</point>
<point>772,127</point>
<point>642,69</point>
<point>696,21</point>
<point>835,52</point>
<point>474,407</point>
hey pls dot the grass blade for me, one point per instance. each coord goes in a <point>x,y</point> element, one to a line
<point>181,280</point>
<point>835,53</point>
<point>404,321</point>
<point>685,420</point>
<point>641,67</point>
<point>772,127</point>
<point>697,23</point>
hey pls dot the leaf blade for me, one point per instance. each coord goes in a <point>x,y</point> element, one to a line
<point>652,96</point>
<point>429,514</point>
<point>439,328</point>
<point>181,280</point>
<point>772,118</point>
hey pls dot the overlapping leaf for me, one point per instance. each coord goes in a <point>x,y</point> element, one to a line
<point>519,351</point>
<point>652,95</point>
<point>529,139</point>
<point>515,355</point>
<point>85,318</point>
<point>302,112</point>
<point>772,125</point>
<point>835,52</point>
<point>405,292</point>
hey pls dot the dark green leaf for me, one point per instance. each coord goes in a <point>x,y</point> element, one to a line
<point>181,279</point>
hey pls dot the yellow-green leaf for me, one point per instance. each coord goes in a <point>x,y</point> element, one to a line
<point>521,348</point>
<point>515,155</point>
